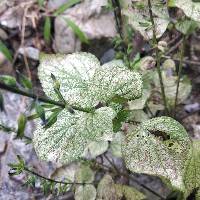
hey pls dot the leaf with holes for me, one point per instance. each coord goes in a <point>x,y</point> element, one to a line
<point>158,147</point>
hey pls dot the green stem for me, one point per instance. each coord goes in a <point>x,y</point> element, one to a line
<point>42,99</point>
<point>179,73</point>
<point>158,57</point>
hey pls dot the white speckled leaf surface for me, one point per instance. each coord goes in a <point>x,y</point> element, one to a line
<point>146,152</point>
<point>190,8</point>
<point>84,82</point>
<point>137,13</point>
<point>66,140</point>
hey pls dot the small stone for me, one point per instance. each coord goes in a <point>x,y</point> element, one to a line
<point>30,52</point>
<point>3,34</point>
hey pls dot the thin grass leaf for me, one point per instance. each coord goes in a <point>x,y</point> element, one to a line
<point>5,51</point>
<point>21,125</point>
<point>47,30</point>
<point>40,112</point>
<point>25,81</point>
<point>65,6</point>
<point>80,34</point>
<point>8,80</point>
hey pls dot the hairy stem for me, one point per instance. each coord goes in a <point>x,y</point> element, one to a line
<point>39,98</point>
<point>158,57</point>
<point>180,67</point>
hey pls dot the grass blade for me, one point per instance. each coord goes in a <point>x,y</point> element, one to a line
<point>5,51</point>
<point>80,34</point>
<point>47,30</point>
<point>65,6</point>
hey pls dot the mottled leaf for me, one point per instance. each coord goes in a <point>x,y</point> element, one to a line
<point>192,169</point>
<point>158,147</point>
<point>66,140</point>
<point>189,7</point>
<point>85,192</point>
<point>106,189</point>
<point>84,83</point>
<point>137,13</point>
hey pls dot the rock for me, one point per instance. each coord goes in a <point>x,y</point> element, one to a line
<point>54,4</point>
<point>5,65</point>
<point>3,34</point>
<point>12,17</point>
<point>108,56</point>
<point>192,107</point>
<point>30,52</point>
<point>3,6</point>
<point>91,18</point>
<point>12,188</point>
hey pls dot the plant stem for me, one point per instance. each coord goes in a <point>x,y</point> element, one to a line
<point>158,57</point>
<point>42,99</point>
<point>119,24</point>
<point>179,73</point>
<point>52,180</point>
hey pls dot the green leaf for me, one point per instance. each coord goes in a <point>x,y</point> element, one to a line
<point>40,2</point>
<point>21,125</point>
<point>8,80</point>
<point>25,81</point>
<point>121,117</point>
<point>84,174</point>
<point>66,140</point>
<point>40,112</point>
<point>84,82</point>
<point>52,119</point>
<point>189,7</point>
<point>47,30</point>
<point>158,147</point>
<point>129,193</point>
<point>65,6</point>
<point>80,34</point>
<point>5,51</point>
